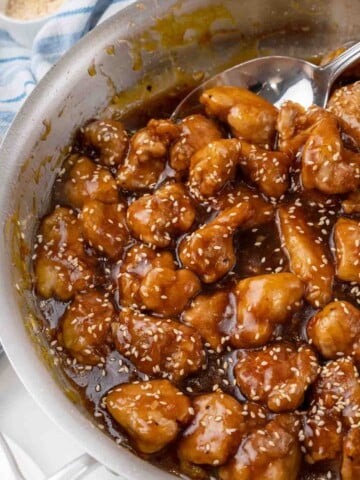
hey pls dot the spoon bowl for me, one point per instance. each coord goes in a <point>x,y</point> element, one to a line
<point>277,79</point>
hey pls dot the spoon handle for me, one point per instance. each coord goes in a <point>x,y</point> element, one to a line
<point>7,454</point>
<point>76,469</point>
<point>335,68</point>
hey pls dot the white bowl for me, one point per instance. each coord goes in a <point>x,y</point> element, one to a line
<point>22,31</point>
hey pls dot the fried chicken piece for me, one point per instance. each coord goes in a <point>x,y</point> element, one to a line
<point>292,123</point>
<point>104,227</point>
<point>295,124</point>
<point>149,280</point>
<point>158,347</point>
<point>88,181</point>
<point>209,251</point>
<point>147,155</point>
<point>206,314</point>
<point>213,166</point>
<point>197,131</point>
<point>216,430</point>
<point>138,262</point>
<point>351,204</point>
<point>326,164</point>
<point>347,243</point>
<point>61,230</point>
<point>109,138</point>
<point>344,103</point>
<point>308,260</point>
<point>324,441</point>
<point>268,454</point>
<point>61,267</point>
<point>167,291</point>
<point>278,375</point>
<point>335,330</point>
<point>264,301</point>
<point>251,117</point>
<point>152,412</point>
<point>155,219</point>
<point>335,406</point>
<point>350,467</point>
<point>62,276</point>
<point>263,211</point>
<point>269,170</point>
<point>85,327</point>
<point>339,387</point>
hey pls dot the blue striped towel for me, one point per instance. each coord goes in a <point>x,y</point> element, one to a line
<point>21,68</point>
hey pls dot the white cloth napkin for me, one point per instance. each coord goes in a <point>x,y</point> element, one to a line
<point>21,68</point>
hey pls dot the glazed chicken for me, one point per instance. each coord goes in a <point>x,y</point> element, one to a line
<point>344,103</point>
<point>262,302</point>
<point>217,428</point>
<point>88,181</point>
<point>156,218</point>
<point>110,140</point>
<point>308,259</point>
<point>336,401</point>
<point>292,123</point>
<point>104,227</point>
<point>335,330</point>
<point>213,166</point>
<point>326,164</point>
<point>269,170</point>
<point>150,280</point>
<point>207,313</point>
<point>350,467</point>
<point>277,375</point>
<point>351,204</point>
<point>347,243</point>
<point>209,251</point>
<point>263,211</point>
<point>272,452</point>
<point>85,327</point>
<point>158,347</point>
<point>151,412</point>
<point>250,117</point>
<point>167,291</point>
<point>197,131</point>
<point>148,151</point>
<point>138,262</point>
<point>295,124</point>
<point>61,265</point>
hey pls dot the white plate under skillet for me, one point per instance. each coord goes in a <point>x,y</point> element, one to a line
<point>28,467</point>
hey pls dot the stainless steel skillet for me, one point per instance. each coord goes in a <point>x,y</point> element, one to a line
<point>158,43</point>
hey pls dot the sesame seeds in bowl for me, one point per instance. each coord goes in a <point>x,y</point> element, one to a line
<point>23,19</point>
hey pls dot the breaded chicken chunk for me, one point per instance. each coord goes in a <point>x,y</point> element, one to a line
<point>152,412</point>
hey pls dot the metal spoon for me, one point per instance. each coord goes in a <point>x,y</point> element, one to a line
<point>277,79</point>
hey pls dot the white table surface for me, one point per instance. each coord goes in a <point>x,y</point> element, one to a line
<point>22,421</point>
